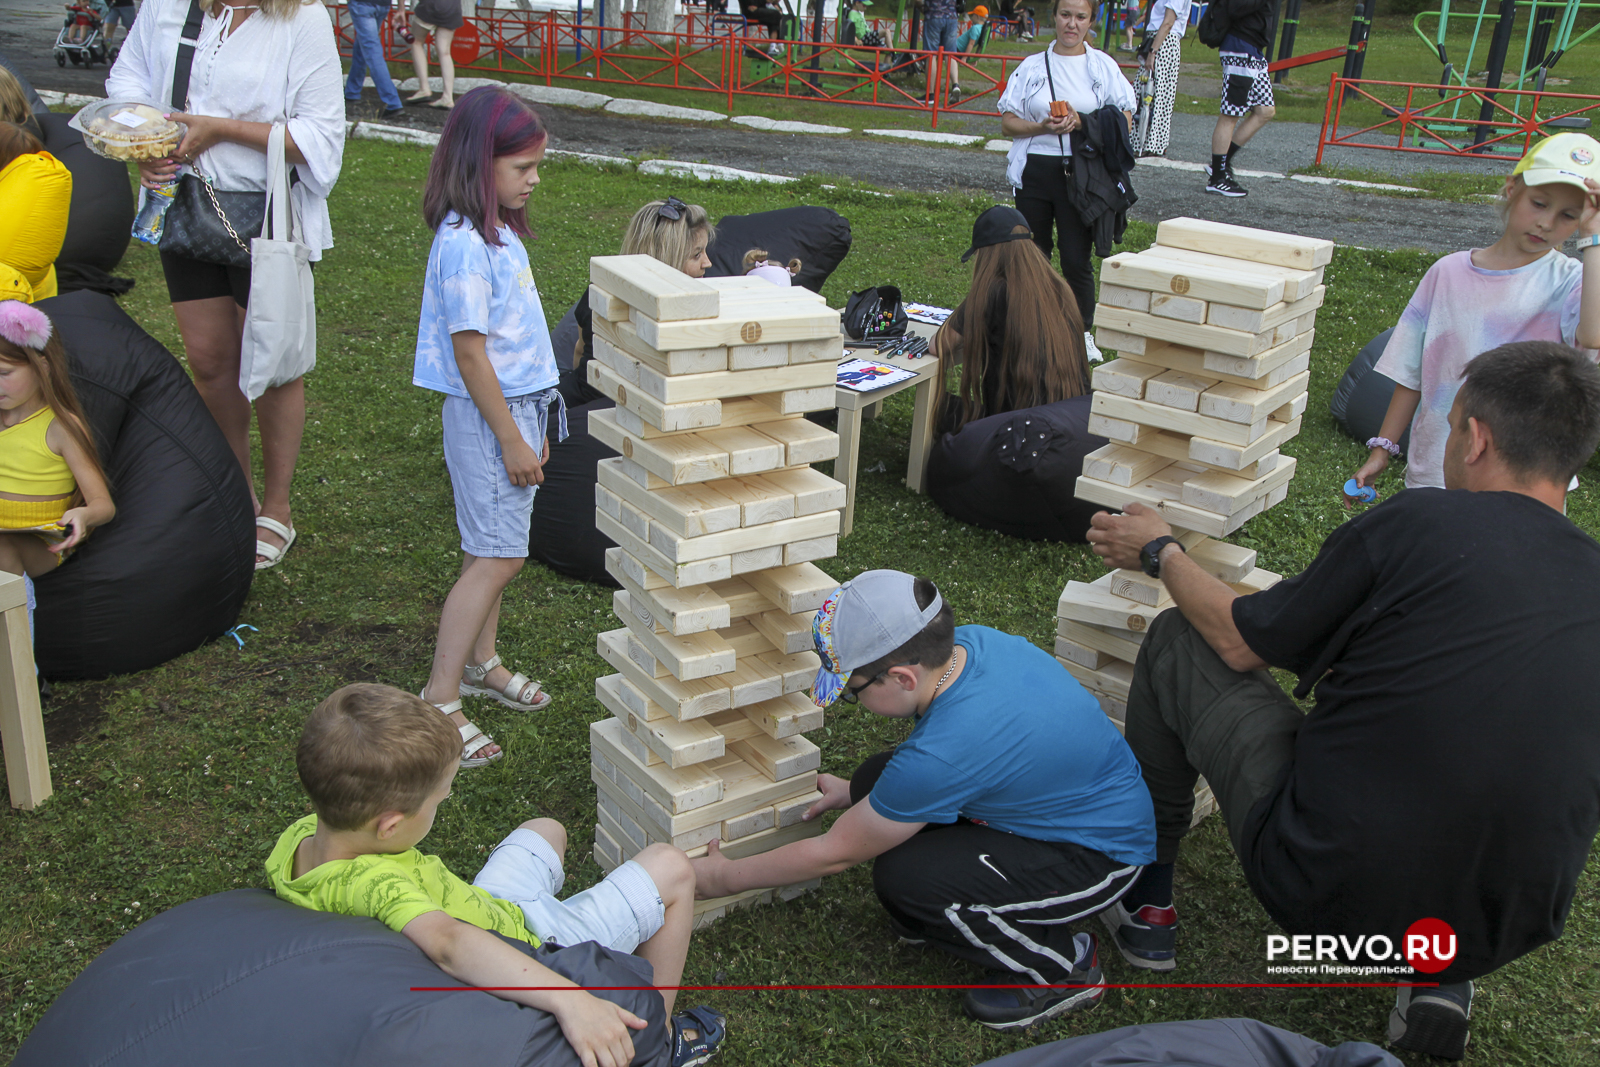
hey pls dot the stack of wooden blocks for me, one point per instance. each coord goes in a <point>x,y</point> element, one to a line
<point>1212,327</point>
<point>717,515</point>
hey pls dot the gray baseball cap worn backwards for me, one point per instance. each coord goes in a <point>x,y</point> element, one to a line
<point>863,620</point>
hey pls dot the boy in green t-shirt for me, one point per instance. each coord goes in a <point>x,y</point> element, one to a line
<point>376,763</point>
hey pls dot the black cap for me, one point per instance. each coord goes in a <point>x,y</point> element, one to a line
<point>994,227</point>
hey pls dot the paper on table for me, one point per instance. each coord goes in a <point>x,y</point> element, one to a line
<point>933,316</point>
<point>865,375</point>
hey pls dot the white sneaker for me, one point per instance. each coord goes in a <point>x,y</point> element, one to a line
<point>1095,355</point>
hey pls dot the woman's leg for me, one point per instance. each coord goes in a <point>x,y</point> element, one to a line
<point>419,60</point>
<point>281,417</point>
<point>442,40</point>
<point>25,553</point>
<point>1076,244</point>
<point>211,329</point>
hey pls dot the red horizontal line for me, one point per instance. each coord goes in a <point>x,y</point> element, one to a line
<point>986,985</point>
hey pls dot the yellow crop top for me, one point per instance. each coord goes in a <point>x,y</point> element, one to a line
<point>27,466</point>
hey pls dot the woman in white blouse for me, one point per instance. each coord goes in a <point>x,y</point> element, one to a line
<point>1040,161</point>
<point>255,65</point>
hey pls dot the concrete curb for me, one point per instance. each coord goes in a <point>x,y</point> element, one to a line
<point>761,122</point>
<point>663,111</point>
<point>539,94</point>
<point>708,172</point>
<point>928,136</point>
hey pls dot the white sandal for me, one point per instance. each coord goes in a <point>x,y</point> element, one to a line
<point>274,553</point>
<point>472,738</point>
<point>472,686</point>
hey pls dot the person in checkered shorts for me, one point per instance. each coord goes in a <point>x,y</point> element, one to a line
<point>1246,90</point>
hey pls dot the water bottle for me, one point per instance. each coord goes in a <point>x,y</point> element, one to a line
<point>152,215</point>
<point>1362,494</point>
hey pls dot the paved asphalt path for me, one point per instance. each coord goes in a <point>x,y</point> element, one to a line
<point>1349,216</point>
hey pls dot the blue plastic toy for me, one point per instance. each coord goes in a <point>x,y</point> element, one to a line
<point>1362,494</point>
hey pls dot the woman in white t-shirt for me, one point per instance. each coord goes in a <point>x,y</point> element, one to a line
<point>1168,19</point>
<point>255,64</point>
<point>1040,160</point>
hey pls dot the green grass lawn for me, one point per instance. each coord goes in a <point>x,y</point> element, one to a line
<point>175,782</point>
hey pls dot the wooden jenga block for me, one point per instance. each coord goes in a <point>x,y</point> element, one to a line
<point>1113,679</point>
<point>684,699</point>
<point>1140,588</point>
<point>636,702</point>
<point>1237,457</point>
<point>750,324</point>
<point>676,460</point>
<point>1087,603</point>
<point>646,283</point>
<point>1118,644</point>
<point>792,811</point>
<point>698,655</point>
<point>617,344</point>
<point>1254,321</point>
<point>1123,464</point>
<point>1292,410</point>
<point>1175,389</point>
<point>749,823</point>
<point>1258,366</point>
<point>654,416</point>
<point>1127,344</point>
<point>749,451</point>
<point>754,357</point>
<point>686,388</point>
<point>1245,242</point>
<point>1123,377</point>
<point>813,491</point>
<point>1154,327</point>
<point>760,501</point>
<point>1120,431</point>
<point>688,511</point>
<point>1159,355</point>
<point>698,572</point>
<point>1181,308</point>
<point>1119,296</point>
<point>789,633</point>
<point>1235,403</point>
<point>1211,283</point>
<point>796,552</point>
<point>1296,283</point>
<point>1229,563</point>
<point>607,306</point>
<point>1082,655</point>
<point>1161,417</point>
<point>606,852</point>
<point>1227,495</point>
<point>679,744</point>
<point>1173,446</point>
<point>675,790</point>
<point>799,401</point>
<point>778,759</point>
<point>745,640</point>
<point>784,716</point>
<point>803,441</point>
<point>798,588</point>
<point>797,671</point>
<point>710,546</point>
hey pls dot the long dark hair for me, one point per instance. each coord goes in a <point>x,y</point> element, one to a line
<point>1042,357</point>
<point>486,123</point>
<point>50,367</point>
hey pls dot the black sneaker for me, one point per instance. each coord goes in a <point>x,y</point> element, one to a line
<point>1225,185</point>
<point>999,1008</point>
<point>1432,1021</point>
<point>955,95</point>
<point>1147,937</point>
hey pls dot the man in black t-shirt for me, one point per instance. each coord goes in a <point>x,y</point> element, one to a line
<point>1450,770</point>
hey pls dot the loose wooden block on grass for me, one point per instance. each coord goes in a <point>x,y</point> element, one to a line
<point>1245,242</point>
<point>646,283</point>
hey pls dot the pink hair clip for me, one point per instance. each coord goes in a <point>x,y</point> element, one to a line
<point>23,324</point>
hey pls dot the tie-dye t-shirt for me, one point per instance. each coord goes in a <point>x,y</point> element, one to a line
<point>1460,311</point>
<point>394,889</point>
<point>473,286</point>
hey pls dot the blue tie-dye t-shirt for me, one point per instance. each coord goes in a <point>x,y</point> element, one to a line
<point>473,286</point>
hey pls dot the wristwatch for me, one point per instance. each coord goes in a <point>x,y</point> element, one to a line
<point>1150,555</point>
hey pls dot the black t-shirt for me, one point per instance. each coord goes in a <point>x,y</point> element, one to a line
<point>1451,766</point>
<point>994,323</point>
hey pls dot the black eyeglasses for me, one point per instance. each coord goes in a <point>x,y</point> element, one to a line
<point>673,209</point>
<point>852,693</point>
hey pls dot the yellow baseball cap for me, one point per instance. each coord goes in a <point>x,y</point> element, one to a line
<point>1565,158</point>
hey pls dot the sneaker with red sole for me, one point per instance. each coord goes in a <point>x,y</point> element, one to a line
<point>1147,937</point>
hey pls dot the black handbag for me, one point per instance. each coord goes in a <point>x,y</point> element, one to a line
<point>204,223</point>
<point>876,313</point>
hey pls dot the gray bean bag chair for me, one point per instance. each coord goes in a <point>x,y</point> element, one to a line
<point>243,979</point>
<point>1362,397</point>
<point>817,236</point>
<point>171,571</point>
<point>1016,472</point>
<point>1201,1043</point>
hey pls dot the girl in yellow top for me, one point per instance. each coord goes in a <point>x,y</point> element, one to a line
<point>52,487</point>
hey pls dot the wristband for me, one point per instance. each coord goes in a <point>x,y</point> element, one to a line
<point>1385,444</point>
<point>1588,242</point>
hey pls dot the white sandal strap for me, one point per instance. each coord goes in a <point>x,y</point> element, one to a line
<point>272,526</point>
<point>489,664</point>
<point>449,708</point>
<point>272,552</point>
<point>519,681</point>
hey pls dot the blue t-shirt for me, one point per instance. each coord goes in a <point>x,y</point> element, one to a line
<point>1233,44</point>
<point>1017,744</point>
<point>473,286</point>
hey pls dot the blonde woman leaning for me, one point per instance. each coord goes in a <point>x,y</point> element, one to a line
<point>255,64</point>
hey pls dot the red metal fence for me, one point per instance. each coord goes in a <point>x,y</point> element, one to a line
<point>726,60</point>
<point>1431,119</point>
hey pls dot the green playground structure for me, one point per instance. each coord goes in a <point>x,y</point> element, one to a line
<point>1551,32</point>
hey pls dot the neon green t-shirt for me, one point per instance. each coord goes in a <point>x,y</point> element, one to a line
<point>394,889</point>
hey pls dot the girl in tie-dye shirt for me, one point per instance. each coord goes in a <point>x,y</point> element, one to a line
<point>1521,288</point>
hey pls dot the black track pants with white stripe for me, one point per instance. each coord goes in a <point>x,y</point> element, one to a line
<point>994,898</point>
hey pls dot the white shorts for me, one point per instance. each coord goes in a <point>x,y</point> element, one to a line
<point>620,913</point>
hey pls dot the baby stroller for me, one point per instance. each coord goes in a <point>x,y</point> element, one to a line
<point>92,48</point>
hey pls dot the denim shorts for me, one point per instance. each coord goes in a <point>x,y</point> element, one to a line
<point>940,33</point>
<point>620,913</point>
<point>491,513</point>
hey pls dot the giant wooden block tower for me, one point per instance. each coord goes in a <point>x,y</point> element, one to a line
<point>1212,327</point>
<point>717,514</point>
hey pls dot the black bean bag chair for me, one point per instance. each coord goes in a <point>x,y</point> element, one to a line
<point>100,220</point>
<point>818,236</point>
<point>171,571</point>
<point>1197,1043</point>
<point>1362,397</point>
<point>562,534</point>
<point>244,979</point>
<point>1015,472</point>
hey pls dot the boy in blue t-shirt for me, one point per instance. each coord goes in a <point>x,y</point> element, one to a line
<point>1012,809</point>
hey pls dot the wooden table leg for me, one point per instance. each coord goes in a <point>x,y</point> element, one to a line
<point>844,467</point>
<point>921,432</point>
<point>21,722</point>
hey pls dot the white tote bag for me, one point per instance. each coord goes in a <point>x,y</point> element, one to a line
<point>280,329</point>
